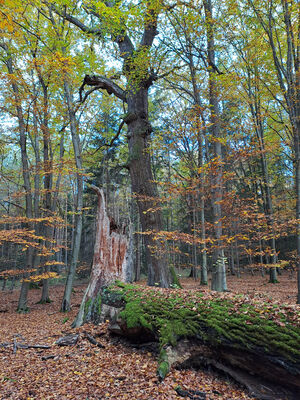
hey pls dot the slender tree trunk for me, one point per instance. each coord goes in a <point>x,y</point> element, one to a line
<point>48,176</point>
<point>218,271</point>
<point>66,304</point>
<point>287,69</point>
<point>267,198</point>
<point>22,303</point>
<point>203,277</point>
<point>200,118</point>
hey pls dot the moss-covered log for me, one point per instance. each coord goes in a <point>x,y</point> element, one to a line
<point>241,336</point>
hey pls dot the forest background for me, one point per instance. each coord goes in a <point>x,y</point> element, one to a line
<point>190,123</point>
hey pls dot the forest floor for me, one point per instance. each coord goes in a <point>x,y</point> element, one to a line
<point>118,371</point>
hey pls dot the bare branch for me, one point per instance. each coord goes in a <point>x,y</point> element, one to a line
<point>75,21</point>
<point>101,82</point>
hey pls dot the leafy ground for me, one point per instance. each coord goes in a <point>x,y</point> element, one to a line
<point>85,371</point>
<point>285,291</point>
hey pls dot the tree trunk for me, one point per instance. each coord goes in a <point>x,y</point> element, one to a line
<point>109,263</point>
<point>143,185</point>
<point>48,230</point>
<point>79,200</point>
<point>22,304</point>
<point>287,67</point>
<point>218,269</point>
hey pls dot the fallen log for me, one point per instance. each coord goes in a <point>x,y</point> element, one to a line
<point>17,345</point>
<point>257,344</point>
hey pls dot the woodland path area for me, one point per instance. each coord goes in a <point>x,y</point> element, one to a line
<point>117,371</point>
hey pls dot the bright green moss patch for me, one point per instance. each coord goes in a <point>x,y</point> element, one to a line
<point>173,314</point>
<point>163,364</point>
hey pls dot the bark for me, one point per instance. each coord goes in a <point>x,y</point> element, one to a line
<point>263,386</point>
<point>22,303</point>
<point>109,261</point>
<point>79,199</point>
<point>48,177</point>
<point>138,246</point>
<point>218,269</point>
<point>143,185</point>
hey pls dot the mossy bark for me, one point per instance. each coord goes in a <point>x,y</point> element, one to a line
<point>237,335</point>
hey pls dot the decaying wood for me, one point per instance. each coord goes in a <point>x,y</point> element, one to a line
<point>68,340</point>
<point>262,378</point>
<point>266,376</point>
<point>50,357</point>
<point>32,346</point>
<point>17,345</point>
<point>110,261</point>
<point>92,340</point>
<point>191,394</point>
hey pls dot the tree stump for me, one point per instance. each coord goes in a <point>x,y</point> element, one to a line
<point>111,262</point>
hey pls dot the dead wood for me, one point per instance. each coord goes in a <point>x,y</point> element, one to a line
<point>110,261</point>
<point>50,357</point>
<point>68,340</point>
<point>5,344</point>
<point>191,394</point>
<point>92,340</point>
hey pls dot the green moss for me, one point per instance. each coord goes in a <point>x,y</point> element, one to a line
<point>86,308</point>
<point>163,369</point>
<point>23,310</point>
<point>171,317</point>
<point>92,309</point>
<point>163,365</point>
<point>175,280</point>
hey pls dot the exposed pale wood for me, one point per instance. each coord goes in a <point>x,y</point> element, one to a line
<point>110,259</point>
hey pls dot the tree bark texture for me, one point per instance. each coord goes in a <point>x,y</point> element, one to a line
<point>110,261</point>
<point>218,269</point>
<point>79,199</point>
